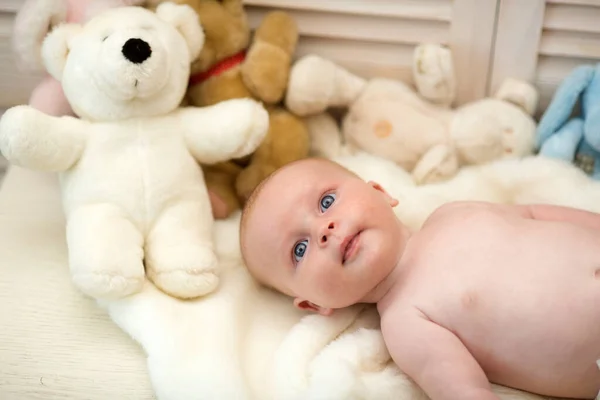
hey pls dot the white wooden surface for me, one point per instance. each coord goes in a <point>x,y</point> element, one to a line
<point>538,40</point>
<point>369,37</point>
<point>543,40</point>
<point>472,37</point>
<point>517,40</point>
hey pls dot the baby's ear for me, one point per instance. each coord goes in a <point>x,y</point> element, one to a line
<point>183,18</point>
<point>56,47</point>
<point>393,202</point>
<point>306,305</point>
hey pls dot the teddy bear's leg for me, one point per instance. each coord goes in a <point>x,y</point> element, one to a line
<point>180,259</point>
<point>325,135</point>
<point>287,140</point>
<point>220,182</point>
<point>105,252</point>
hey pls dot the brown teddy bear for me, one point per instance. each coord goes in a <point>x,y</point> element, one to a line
<point>231,65</point>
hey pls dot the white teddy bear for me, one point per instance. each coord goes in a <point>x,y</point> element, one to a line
<point>133,193</point>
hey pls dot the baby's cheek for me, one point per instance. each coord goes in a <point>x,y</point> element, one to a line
<point>327,285</point>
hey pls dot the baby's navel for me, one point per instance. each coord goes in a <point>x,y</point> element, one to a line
<point>597,273</point>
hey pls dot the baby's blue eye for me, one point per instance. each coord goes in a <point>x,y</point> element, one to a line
<point>300,249</point>
<point>326,201</point>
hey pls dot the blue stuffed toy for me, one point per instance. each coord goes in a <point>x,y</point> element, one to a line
<point>574,139</point>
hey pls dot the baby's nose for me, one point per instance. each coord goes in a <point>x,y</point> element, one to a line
<point>324,236</point>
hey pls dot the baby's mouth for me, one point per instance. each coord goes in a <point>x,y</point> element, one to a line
<point>349,247</point>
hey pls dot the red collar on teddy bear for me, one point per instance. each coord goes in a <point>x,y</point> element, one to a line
<point>218,68</point>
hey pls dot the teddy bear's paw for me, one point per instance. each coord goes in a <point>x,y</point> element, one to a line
<point>436,165</point>
<point>256,119</point>
<point>108,286</point>
<point>311,85</point>
<point>185,273</point>
<point>16,130</point>
<point>266,72</point>
<point>187,284</point>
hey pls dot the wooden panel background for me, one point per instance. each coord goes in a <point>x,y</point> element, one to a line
<point>537,40</point>
<point>543,40</point>
<point>377,37</point>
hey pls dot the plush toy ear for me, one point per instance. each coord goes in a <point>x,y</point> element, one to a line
<point>519,93</point>
<point>186,21</point>
<point>32,23</point>
<point>56,47</point>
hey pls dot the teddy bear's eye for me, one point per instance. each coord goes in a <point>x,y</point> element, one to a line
<point>104,38</point>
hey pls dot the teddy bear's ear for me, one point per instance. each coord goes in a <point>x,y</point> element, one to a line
<point>56,47</point>
<point>186,21</point>
<point>519,93</point>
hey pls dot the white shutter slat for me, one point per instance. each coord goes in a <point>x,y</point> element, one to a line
<point>363,27</point>
<point>376,59</point>
<point>575,2</point>
<point>517,40</point>
<point>552,70</point>
<point>435,10</point>
<point>570,44</point>
<point>570,38</point>
<point>372,38</point>
<point>578,18</point>
<point>472,39</point>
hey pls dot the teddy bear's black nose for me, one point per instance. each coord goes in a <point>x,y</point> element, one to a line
<point>136,50</point>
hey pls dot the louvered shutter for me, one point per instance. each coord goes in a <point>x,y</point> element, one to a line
<point>543,40</point>
<point>377,37</point>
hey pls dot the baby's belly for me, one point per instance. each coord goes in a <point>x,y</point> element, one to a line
<point>140,180</point>
<point>546,344</point>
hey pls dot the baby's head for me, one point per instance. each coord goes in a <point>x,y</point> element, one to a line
<point>317,232</point>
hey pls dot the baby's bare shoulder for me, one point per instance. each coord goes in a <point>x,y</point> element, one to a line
<point>466,210</point>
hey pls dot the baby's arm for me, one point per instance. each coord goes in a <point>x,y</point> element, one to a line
<point>434,358</point>
<point>546,212</point>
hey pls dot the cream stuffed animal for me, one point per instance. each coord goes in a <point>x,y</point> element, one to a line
<point>35,19</point>
<point>132,191</point>
<point>419,132</point>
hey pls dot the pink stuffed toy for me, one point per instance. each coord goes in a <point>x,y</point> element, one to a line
<point>33,22</point>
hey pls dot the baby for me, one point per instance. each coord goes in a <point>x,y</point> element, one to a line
<point>481,293</point>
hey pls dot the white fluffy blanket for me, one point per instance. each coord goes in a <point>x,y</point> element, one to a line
<point>246,342</point>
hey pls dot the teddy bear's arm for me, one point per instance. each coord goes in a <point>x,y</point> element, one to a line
<point>32,139</point>
<point>229,129</point>
<point>267,66</point>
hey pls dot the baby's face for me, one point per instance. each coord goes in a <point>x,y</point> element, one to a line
<point>318,233</point>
